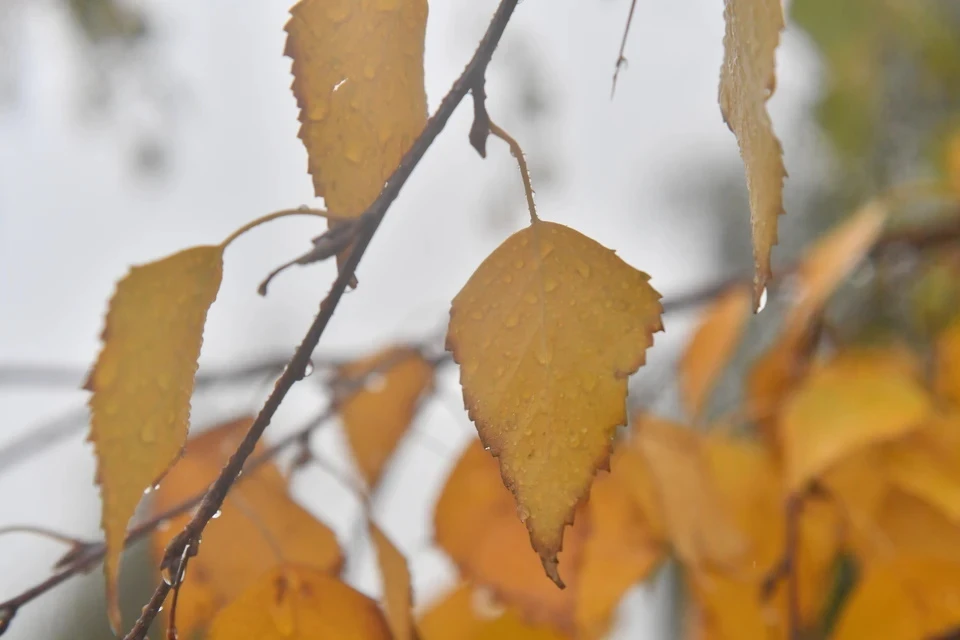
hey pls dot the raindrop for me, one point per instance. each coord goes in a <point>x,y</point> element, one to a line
<point>217,514</point>
<point>148,491</point>
<point>512,320</point>
<point>303,207</point>
<point>308,370</point>
<point>550,285</point>
<point>583,269</point>
<point>163,525</point>
<point>763,300</point>
<point>337,86</point>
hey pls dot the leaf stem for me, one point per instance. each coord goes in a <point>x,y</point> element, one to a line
<point>524,170</point>
<point>283,213</point>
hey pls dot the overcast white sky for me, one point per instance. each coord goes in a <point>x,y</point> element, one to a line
<point>74,217</point>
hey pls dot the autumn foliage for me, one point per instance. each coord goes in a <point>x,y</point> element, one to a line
<point>823,502</point>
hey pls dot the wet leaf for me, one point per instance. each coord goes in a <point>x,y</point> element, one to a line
<point>142,383</point>
<point>377,417</point>
<point>843,406</point>
<point>476,523</point>
<point>293,602</point>
<point>397,593</point>
<point>259,527</point>
<point>699,523</point>
<point>712,346</point>
<point>747,80</point>
<point>546,332</point>
<point>909,597</point>
<point>359,82</point>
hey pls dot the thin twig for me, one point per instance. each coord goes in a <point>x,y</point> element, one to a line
<point>786,569</point>
<point>524,170</point>
<point>44,533</point>
<point>621,60</point>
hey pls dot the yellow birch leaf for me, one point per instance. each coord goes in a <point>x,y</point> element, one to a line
<point>701,529</point>
<point>376,418</point>
<point>142,383</point>
<point>822,269</point>
<point>619,550</point>
<point>454,616</point>
<point>359,83</point>
<point>260,526</point>
<point>747,80</point>
<point>476,523</point>
<point>294,602</point>
<point>906,598</point>
<point>712,346</point>
<point>546,332</point>
<point>847,404</point>
<point>397,593</point>
<point>511,626</point>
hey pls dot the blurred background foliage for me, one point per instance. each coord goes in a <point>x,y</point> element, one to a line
<point>888,112</point>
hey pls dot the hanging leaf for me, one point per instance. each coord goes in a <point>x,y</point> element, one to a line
<point>259,527</point>
<point>142,383</point>
<point>712,346</point>
<point>847,404</point>
<point>822,269</point>
<point>377,417</point>
<point>476,523</point>
<point>747,80</point>
<point>619,551</point>
<point>460,615</point>
<point>546,332</point>
<point>359,83</point>
<point>293,602</point>
<point>699,525</point>
<point>907,598</point>
<point>397,593</point>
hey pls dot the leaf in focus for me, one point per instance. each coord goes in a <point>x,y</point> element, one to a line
<point>823,268</point>
<point>397,593</point>
<point>377,417</point>
<point>546,332</point>
<point>747,80</point>
<point>259,522</point>
<point>908,597</point>
<point>845,405</point>
<point>619,551</point>
<point>359,82</point>
<point>476,523</point>
<point>142,383</point>
<point>712,346</point>
<point>700,527</point>
<point>293,602</point>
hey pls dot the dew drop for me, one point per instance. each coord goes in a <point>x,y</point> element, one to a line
<point>148,491</point>
<point>217,514</point>
<point>550,285</point>
<point>546,249</point>
<point>507,278</point>
<point>583,269</point>
<point>476,315</point>
<point>512,320</point>
<point>518,264</point>
<point>530,298</point>
<point>763,300</point>
<point>167,576</point>
<point>544,356</point>
<point>309,369</point>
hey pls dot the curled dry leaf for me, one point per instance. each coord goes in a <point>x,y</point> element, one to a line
<point>698,522</point>
<point>845,405</point>
<point>712,346</point>
<point>142,383</point>
<point>259,527</point>
<point>546,332</point>
<point>294,602</point>
<point>822,269</point>
<point>908,597</point>
<point>397,593</point>
<point>747,80</point>
<point>377,417</point>
<point>476,523</point>
<point>359,82</point>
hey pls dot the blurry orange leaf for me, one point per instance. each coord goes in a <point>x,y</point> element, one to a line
<point>906,598</point>
<point>952,164</point>
<point>259,527</point>
<point>142,383</point>
<point>511,626</point>
<point>947,381</point>
<point>397,594</point>
<point>377,417</point>
<point>921,470</point>
<point>847,404</point>
<point>294,602</point>
<point>619,550</point>
<point>476,523</point>
<point>712,346</point>
<point>823,268</point>
<point>460,615</point>
<point>359,82</point>
<point>546,332</point>
<point>747,80</point>
<point>700,526</point>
